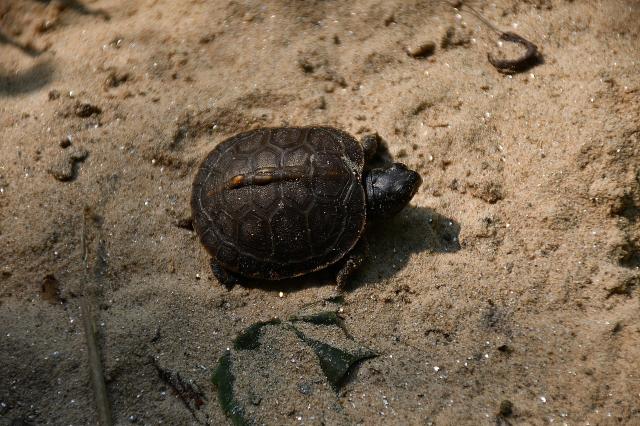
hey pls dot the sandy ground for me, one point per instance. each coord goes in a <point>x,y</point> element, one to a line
<point>511,281</point>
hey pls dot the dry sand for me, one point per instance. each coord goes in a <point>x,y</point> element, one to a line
<point>513,276</point>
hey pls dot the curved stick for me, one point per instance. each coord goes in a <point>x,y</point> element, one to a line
<point>530,58</point>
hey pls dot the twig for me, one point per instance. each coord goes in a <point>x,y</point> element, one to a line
<point>90,329</point>
<point>529,59</point>
<point>188,393</point>
<point>459,5</point>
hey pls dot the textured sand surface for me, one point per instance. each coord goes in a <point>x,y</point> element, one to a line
<point>513,276</point>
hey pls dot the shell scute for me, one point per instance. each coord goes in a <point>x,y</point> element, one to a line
<point>279,202</point>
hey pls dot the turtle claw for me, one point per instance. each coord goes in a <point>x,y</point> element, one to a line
<point>227,278</point>
<point>347,270</point>
<point>370,145</point>
<point>354,260</point>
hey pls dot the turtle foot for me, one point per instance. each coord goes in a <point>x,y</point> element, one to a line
<point>225,277</point>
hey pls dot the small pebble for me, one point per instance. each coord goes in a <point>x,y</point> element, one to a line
<point>85,110</point>
<point>304,388</point>
<point>115,78</point>
<point>53,95</point>
<point>506,408</point>
<point>390,19</point>
<point>64,167</point>
<point>421,50</point>
<point>65,142</point>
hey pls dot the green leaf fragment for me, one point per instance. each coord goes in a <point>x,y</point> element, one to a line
<point>338,298</point>
<point>249,338</point>
<point>223,379</point>
<point>335,363</point>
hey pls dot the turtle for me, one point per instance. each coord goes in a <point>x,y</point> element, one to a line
<point>280,202</point>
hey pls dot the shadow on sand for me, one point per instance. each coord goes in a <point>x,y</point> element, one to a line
<point>78,7</point>
<point>26,49</point>
<point>33,78</point>
<point>391,244</point>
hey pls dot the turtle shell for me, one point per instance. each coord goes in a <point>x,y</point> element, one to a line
<point>274,203</point>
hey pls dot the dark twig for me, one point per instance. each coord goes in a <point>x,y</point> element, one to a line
<point>188,393</point>
<point>90,331</point>
<point>529,59</point>
<point>479,16</point>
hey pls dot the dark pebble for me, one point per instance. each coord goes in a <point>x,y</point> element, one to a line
<point>505,349</point>
<point>421,50</point>
<point>506,408</point>
<point>65,142</point>
<point>86,110</point>
<point>304,388</point>
<point>116,78</point>
<point>53,95</point>
<point>255,400</point>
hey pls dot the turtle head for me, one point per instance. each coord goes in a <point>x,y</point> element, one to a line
<point>389,190</point>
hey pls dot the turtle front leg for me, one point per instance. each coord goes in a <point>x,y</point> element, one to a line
<point>370,144</point>
<point>224,276</point>
<point>352,262</point>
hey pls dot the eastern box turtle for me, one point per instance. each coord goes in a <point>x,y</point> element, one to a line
<point>275,203</point>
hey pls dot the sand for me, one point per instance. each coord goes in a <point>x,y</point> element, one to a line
<point>507,293</point>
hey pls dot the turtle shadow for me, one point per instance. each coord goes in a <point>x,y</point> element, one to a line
<point>391,244</point>
<point>24,48</point>
<point>321,278</point>
<point>34,78</point>
<point>80,8</point>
